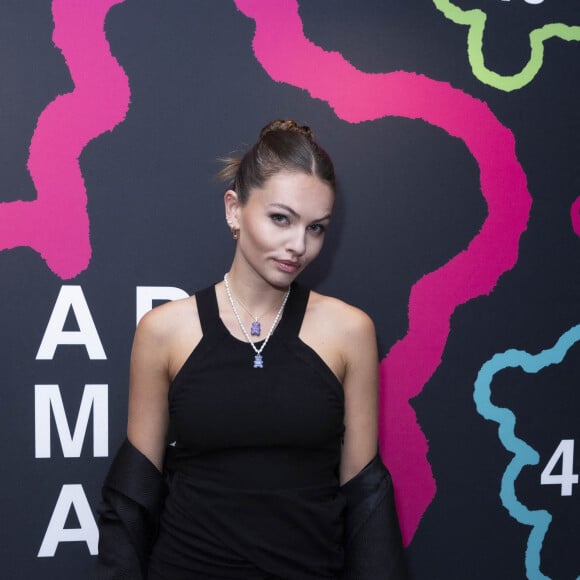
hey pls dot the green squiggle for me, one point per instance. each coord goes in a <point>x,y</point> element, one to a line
<point>476,18</point>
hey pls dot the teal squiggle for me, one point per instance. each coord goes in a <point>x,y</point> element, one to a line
<point>524,455</point>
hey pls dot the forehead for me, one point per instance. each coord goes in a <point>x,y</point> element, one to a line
<point>305,194</point>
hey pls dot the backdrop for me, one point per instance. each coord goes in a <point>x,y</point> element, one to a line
<point>454,129</point>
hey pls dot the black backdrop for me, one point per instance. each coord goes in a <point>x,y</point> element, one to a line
<point>410,199</point>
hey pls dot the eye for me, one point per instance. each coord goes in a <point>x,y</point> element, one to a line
<point>279,218</point>
<point>317,228</point>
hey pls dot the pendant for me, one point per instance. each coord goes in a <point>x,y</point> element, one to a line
<point>258,362</point>
<point>256,328</point>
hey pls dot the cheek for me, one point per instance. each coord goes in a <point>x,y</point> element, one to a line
<point>314,247</point>
<point>262,235</point>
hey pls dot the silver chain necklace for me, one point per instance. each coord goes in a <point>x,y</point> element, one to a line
<point>258,359</point>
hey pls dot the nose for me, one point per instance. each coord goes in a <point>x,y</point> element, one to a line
<point>296,243</point>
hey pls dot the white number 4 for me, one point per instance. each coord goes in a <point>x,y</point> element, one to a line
<point>566,479</point>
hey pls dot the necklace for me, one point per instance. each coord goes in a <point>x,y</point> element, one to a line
<point>256,327</point>
<point>258,359</point>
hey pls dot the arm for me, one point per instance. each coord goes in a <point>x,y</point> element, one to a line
<point>373,547</point>
<point>360,384</point>
<point>148,387</point>
<point>134,490</point>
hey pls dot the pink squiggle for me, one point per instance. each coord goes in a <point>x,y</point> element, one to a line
<point>575,216</point>
<point>287,56</point>
<point>56,223</point>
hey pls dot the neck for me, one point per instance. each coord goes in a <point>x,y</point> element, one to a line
<point>254,292</point>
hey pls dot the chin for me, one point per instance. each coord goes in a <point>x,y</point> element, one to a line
<point>283,279</point>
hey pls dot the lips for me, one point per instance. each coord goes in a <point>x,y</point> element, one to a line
<point>288,266</point>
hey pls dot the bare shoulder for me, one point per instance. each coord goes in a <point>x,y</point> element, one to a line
<point>342,335</point>
<point>171,331</point>
<point>162,321</point>
<point>164,338</point>
<point>340,317</point>
<point>350,333</point>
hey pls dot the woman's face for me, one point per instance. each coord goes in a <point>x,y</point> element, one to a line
<point>282,225</point>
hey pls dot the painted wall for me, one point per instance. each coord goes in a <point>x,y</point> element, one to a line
<point>454,129</point>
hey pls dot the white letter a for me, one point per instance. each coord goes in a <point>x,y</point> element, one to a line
<point>70,496</point>
<point>71,297</point>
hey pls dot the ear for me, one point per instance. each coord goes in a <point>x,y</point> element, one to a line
<point>232,206</point>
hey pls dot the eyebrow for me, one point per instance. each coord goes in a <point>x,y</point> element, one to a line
<point>296,214</point>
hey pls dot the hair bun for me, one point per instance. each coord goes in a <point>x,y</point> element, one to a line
<point>286,125</point>
<point>283,146</point>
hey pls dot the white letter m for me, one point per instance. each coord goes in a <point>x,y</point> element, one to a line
<point>95,397</point>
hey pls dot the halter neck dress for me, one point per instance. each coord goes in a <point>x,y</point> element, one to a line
<point>254,493</point>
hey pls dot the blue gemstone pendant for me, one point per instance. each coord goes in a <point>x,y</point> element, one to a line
<point>258,362</point>
<point>256,328</point>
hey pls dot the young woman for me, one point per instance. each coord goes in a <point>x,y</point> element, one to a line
<point>266,392</point>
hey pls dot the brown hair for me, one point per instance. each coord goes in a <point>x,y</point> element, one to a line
<point>282,146</point>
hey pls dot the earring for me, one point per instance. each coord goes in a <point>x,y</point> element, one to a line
<point>233,229</point>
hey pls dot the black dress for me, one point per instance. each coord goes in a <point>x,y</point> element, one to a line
<point>254,492</point>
